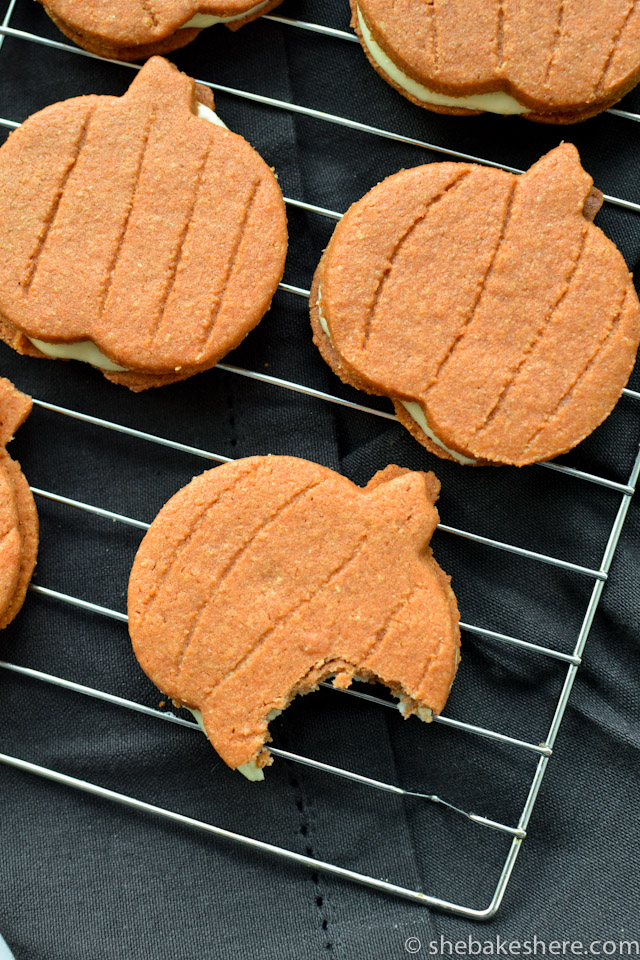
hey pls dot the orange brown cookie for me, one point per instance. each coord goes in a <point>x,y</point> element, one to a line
<point>137,29</point>
<point>136,232</point>
<point>501,322</point>
<point>18,517</point>
<point>555,61</point>
<point>267,575</point>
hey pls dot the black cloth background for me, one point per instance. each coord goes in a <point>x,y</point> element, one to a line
<point>84,878</point>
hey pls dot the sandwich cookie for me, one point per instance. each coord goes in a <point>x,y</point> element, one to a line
<point>501,322</point>
<point>135,234</point>
<point>549,60</point>
<point>18,517</point>
<point>265,576</point>
<point>137,29</point>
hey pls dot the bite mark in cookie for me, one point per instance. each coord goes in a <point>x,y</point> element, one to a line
<point>265,576</point>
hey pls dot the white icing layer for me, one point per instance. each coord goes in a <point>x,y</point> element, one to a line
<point>201,20</point>
<point>323,324</point>
<point>84,350</point>
<point>251,771</point>
<point>416,411</point>
<point>424,713</point>
<point>498,102</point>
<point>413,409</point>
<point>206,113</point>
<point>248,770</point>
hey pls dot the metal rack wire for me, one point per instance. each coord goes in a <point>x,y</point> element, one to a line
<point>571,660</point>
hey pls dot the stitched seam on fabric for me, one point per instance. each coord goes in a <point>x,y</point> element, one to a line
<point>306,830</point>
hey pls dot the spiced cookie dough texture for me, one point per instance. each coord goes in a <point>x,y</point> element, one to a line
<point>555,61</point>
<point>136,232</point>
<point>137,29</point>
<point>265,576</point>
<point>18,517</point>
<point>502,323</point>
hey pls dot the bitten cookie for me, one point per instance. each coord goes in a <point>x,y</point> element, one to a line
<point>137,29</point>
<point>135,234</point>
<point>18,517</point>
<point>501,322</point>
<point>549,60</point>
<point>265,576</point>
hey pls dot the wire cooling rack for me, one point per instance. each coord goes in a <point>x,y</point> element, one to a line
<point>570,661</point>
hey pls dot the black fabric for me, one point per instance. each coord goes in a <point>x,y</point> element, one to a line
<point>81,877</point>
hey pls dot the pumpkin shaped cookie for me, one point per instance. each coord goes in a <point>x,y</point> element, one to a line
<point>18,516</point>
<point>135,234</point>
<point>137,29</point>
<point>501,322</point>
<point>556,61</point>
<point>265,576</point>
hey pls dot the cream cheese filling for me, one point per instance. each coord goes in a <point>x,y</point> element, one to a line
<point>86,350</point>
<point>324,325</point>
<point>417,413</point>
<point>424,713</point>
<point>248,770</point>
<point>413,409</point>
<point>255,774</point>
<point>201,20</point>
<point>206,113</point>
<point>498,102</point>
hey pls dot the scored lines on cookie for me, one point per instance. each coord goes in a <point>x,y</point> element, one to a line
<point>114,614</point>
<point>621,487</point>
<point>290,201</point>
<point>72,161</point>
